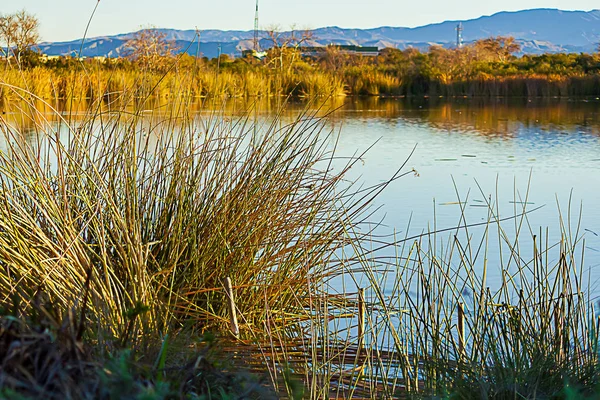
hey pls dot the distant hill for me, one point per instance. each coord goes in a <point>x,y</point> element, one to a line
<point>538,31</point>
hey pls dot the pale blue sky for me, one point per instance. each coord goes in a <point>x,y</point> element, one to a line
<point>66,19</point>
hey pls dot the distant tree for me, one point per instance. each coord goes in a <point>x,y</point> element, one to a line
<point>7,29</point>
<point>284,51</point>
<point>499,48</point>
<point>445,63</point>
<point>18,33</point>
<point>403,63</point>
<point>150,49</point>
<point>333,60</point>
<point>390,55</point>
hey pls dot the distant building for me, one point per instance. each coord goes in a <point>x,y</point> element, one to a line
<point>317,51</point>
<point>352,50</point>
<point>45,58</point>
<point>368,51</point>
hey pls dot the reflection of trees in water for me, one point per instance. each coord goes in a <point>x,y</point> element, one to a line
<point>504,117</point>
<point>490,117</point>
<point>26,119</point>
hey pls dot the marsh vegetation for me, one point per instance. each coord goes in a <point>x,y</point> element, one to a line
<point>119,228</point>
<point>151,64</point>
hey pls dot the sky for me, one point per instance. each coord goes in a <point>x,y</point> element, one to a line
<point>62,20</point>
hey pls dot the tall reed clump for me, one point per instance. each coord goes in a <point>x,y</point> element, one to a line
<point>142,217</point>
<point>93,82</point>
<point>367,80</point>
<point>496,310</point>
<point>319,84</point>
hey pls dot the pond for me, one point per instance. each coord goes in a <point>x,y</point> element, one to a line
<point>542,154</point>
<point>461,155</point>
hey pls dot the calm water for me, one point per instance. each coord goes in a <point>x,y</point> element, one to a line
<point>543,153</point>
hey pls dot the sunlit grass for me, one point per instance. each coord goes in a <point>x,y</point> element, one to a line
<point>118,229</point>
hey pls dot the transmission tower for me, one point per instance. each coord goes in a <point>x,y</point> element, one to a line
<point>256,28</point>
<point>459,38</point>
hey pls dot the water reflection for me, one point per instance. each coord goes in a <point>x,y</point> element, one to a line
<point>500,117</point>
<point>535,151</point>
<point>539,153</point>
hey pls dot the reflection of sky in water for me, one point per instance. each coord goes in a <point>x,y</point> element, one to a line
<point>560,159</point>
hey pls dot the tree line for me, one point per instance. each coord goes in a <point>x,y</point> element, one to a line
<point>491,66</point>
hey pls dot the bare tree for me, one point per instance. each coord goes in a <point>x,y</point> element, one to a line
<point>332,59</point>
<point>151,49</point>
<point>499,48</point>
<point>285,47</point>
<point>444,63</point>
<point>7,29</point>
<point>18,33</point>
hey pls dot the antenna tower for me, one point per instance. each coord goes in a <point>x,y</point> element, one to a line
<point>459,38</point>
<point>256,28</point>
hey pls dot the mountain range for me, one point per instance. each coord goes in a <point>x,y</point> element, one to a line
<point>538,31</point>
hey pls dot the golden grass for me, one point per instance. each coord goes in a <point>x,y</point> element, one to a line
<point>130,208</point>
<point>131,217</point>
<point>97,83</point>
